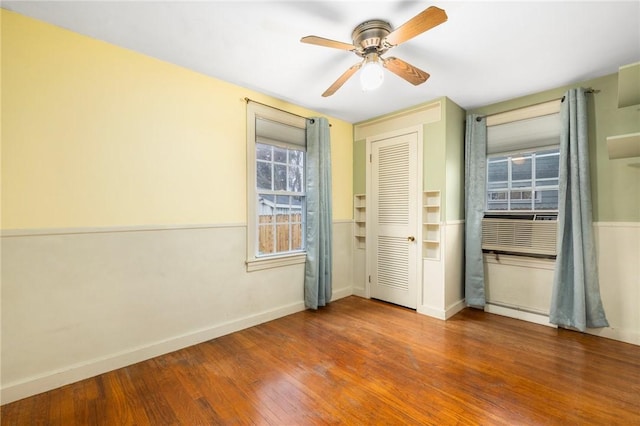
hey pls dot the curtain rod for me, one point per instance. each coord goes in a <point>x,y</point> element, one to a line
<point>247,100</point>
<point>587,91</point>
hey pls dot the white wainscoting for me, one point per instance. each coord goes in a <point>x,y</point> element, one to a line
<point>619,275</point>
<point>520,287</point>
<point>442,281</point>
<point>360,272</point>
<point>77,303</point>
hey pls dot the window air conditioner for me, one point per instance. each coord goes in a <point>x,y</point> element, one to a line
<point>529,234</point>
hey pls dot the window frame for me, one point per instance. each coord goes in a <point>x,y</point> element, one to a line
<point>254,262</point>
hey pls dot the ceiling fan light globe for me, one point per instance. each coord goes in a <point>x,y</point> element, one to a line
<point>371,76</point>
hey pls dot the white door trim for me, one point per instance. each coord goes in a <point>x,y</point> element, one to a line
<point>418,130</point>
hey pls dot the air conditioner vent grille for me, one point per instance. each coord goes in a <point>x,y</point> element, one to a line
<point>519,235</point>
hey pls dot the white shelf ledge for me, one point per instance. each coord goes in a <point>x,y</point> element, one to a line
<point>624,146</point>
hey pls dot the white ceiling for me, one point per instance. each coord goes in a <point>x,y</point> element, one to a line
<point>486,52</point>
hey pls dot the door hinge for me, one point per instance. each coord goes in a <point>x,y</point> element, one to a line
<point>370,155</point>
<point>369,278</point>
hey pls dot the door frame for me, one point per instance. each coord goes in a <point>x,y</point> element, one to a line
<point>418,130</point>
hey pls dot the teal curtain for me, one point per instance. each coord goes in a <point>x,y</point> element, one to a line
<point>575,300</point>
<point>474,189</point>
<point>319,222</point>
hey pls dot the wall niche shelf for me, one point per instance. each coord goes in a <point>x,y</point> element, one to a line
<point>431,212</point>
<point>359,216</point>
<point>624,146</point>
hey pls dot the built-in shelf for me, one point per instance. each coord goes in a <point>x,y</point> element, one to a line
<point>359,218</point>
<point>431,211</point>
<point>629,85</point>
<point>624,146</point>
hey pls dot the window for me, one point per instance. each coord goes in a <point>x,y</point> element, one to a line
<point>276,199</point>
<point>523,159</point>
<point>523,163</point>
<point>281,199</point>
<point>523,181</point>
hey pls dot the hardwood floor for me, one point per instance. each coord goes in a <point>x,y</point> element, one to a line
<point>362,362</point>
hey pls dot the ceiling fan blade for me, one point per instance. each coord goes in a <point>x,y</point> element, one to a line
<point>341,80</point>
<point>423,21</point>
<point>320,41</point>
<point>407,71</point>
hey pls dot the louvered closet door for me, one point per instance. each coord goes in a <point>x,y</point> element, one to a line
<point>394,213</point>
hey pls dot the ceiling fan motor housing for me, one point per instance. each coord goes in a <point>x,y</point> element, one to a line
<point>369,36</point>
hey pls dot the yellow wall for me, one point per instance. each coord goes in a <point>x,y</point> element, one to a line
<point>96,135</point>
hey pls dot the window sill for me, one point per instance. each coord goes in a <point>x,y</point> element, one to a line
<point>256,264</point>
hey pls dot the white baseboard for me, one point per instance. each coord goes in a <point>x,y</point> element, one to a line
<point>443,314</point>
<point>455,308</point>
<point>536,318</point>
<point>627,336</point>
<point>339,294</point>
<point>54,379</point>
<point>431,312</point>
<point>360,291</point>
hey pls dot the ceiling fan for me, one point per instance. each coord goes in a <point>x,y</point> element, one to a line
<point>372,39</point>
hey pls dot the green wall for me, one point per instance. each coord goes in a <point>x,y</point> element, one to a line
<point>360,167</point>
<point>455,129</point>
<point>433,154</point>
<point>443,159</point>
<point>615,184</point>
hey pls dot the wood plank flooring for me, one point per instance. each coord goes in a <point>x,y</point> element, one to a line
<point>363,362</point>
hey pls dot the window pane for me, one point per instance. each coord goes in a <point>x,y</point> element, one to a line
<point>547,167</point>
<point>297,223</point>
<point>282,232</point>
<point>265,236</point>
<point>263,178</point>
<point>497,173</point>
<point>280,177</point>
<point>498,205</point>
<point>497,196</point>
<point>521,184</point>
<point>282,209</point>
<point>263,152</point>
<point>497,200</point>
<point>268,200</point>
<point>546,182</point>
<point>297,205</point>
<point>296,236</point>
<point>498,185</point>
<point>283,201</point>
<point>295,179</point>
<point>521,168</point>
<point>296,158</point>
<point>546,200</point>
<point>521,200</point>
<point>279,154</point>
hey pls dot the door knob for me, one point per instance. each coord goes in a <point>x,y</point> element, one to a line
<point>412,239</point>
